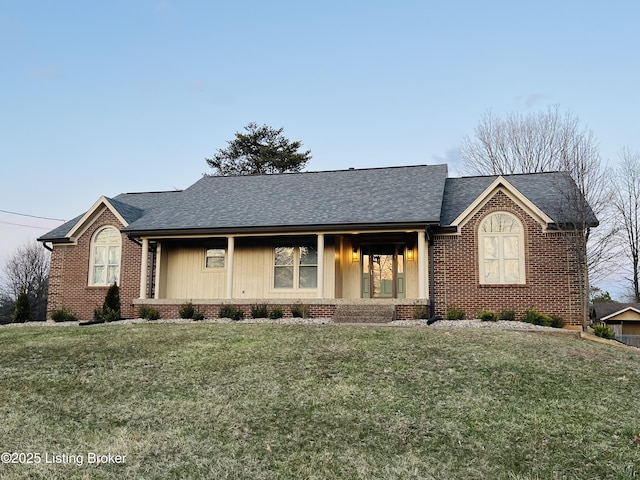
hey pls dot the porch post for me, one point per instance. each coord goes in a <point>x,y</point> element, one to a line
<point>422,266</point>
<point>320,269</point>
<point>144,266</point>
<point>230,252</point>
<point>156,290</point>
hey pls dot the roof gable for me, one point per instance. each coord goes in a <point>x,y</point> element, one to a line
<point>501,184</point>
<point>548,196</point>
<point>612,316</point>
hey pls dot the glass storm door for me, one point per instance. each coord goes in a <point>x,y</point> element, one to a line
<point>383,271</point>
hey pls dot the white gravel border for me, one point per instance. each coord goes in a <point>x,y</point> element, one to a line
<point>441,324</point>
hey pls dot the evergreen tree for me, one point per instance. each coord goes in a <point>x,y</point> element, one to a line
<point>22,312</point>
<point>111,305</point>
<point>262,150</point>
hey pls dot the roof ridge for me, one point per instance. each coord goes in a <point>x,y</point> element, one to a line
<point>337,170</point>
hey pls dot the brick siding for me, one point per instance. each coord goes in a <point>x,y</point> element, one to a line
<point>69,275</point>
<point>552,286</point>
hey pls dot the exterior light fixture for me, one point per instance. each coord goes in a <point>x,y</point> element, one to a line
<point>354,254</point>
<point>409,253</point>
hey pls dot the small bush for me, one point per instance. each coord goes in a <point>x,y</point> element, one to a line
<point>488,316</point>
<point>454,314</point>
<point>604,332</point>
<point>299,311</point>
<point>198,316</point>
<point>111,306</point>
<point>259,311</point>
<point>22,312</point>
<point>150,313</point>
<point>63,315</point>
<point>507,315</point>
<point>276,312</point>
<point>186,310</point>
<point>537,318</point>
<point>229,311</point>
<point>420,312</point>
<point>557,322</point>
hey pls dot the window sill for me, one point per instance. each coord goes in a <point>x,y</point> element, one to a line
<point>502,285</point>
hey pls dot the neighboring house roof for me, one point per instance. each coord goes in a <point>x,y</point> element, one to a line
<point>367,198</point>
<point>607,310</point>
<point>553,193</point>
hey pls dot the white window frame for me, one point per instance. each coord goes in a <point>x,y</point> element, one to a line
<point>296,266</point>
<point>501,257</point>
<point>95,243</point>
<point>214,255</point>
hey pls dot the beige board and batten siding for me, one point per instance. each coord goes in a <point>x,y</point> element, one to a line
<point>184,276</point>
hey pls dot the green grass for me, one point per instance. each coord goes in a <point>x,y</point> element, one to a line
<point>266,401</point>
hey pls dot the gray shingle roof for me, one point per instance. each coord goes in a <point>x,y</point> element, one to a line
<point>604,309</point>
<point>374,196</point>
<point>554,193</point>
<point>415,195</point>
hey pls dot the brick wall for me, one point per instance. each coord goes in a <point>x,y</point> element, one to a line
<point>69,275</point>
<point>552,286</point>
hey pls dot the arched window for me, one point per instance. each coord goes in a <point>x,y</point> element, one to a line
<point>501,250</point>
<point>105,257</point>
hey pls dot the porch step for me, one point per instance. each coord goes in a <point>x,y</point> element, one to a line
<point>375,313</point>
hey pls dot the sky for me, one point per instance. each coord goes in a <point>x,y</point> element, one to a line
<point>105,97</point>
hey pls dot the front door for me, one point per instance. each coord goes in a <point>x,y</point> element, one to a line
<point>383,271</point>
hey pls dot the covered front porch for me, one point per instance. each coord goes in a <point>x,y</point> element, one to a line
<point>307,267</point>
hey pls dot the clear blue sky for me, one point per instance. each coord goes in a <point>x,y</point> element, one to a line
<point>102,97</point>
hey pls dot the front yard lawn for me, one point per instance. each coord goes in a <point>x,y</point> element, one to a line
<point>293,402</point>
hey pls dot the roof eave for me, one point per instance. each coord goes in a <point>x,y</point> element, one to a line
<point>284,229</point>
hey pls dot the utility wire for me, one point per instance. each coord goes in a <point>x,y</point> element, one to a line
<point>23,225</point>
<point>32,216</point>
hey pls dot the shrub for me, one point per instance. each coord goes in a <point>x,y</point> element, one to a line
<point>111,306</point>
<point>537,318</point>
<point>22,312</point>
<point>150,313</point>
<point>488,316</point>
<point>276,312</point>
<point>186,310</point>
<point>557,322</point>
<point>420,312</point>
<point>229,311</point>
<point>604,332</point>
<point>454,314</point>
<point>63,315</point>
<point>299,311</point>
<point>259,311</point>
<point>198,316</point>
<point>507,315</point>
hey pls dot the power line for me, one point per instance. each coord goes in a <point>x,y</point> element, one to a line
<point>32,216</point>
<point>23,225</point>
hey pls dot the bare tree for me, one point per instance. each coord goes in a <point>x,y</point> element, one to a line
<point>544,142</point>
<point>626,202</point>
<point>27,268</point>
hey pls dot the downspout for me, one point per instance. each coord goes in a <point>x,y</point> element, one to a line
<point>47,247</point>
<point>432,275</point>
<point>134,240</point>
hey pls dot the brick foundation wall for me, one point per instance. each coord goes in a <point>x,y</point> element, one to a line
<point>68,278</point>
<point>211,310</point>
<point>552,286</point>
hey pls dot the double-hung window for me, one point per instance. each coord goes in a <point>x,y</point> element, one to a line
<point>214,258</point>
<point>295,267</point>
<point>501,250</point>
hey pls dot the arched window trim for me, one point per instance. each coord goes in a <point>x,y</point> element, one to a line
<point>506,264</point>
<point>108,254</point>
